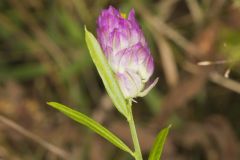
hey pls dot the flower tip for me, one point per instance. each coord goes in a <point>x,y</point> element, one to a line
<point>131,13</point>
<point>111,7</point>
<point>113,10</point>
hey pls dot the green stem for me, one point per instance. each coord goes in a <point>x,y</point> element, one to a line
<point>137,153</point>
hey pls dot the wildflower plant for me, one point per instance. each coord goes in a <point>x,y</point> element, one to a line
<point>124,63</point>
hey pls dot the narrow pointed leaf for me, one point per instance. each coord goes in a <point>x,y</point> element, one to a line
<point>157,149</point>
<point>93,125</point>
<point>106,73</point>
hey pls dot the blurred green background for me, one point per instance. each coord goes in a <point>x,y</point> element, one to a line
<point>43,57</point>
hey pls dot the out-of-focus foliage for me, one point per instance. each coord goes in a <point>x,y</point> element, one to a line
<point>230,45</point>
<point>43,57</point>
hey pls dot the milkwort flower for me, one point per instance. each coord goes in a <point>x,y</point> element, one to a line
<point>126,50</point>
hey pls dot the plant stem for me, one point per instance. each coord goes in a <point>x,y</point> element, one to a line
<point>137,153</point>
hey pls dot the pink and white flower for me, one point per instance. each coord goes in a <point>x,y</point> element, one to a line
<point>126,50</point>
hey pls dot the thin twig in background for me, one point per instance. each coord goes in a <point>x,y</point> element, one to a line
<point>225,82</point>
<point>195,11</point>
<point>168,61</point>
<point>165,8</point>
<point>50,147</point>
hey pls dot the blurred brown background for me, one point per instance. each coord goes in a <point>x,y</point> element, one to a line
<point>43,57</point>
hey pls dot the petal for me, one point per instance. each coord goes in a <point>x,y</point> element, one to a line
<point>115,40</point>
<point>107,51</point>
<point>125,36</point>
<point>113,11</point>
<point>135,37</point>
<point>129,60</point>
<point>146,68</point>
<point>136,79</point>
<point>114,60</point>
<point>103,37</point>
<point>141,52</point>
<point>132,19</point>
<point>130,84</point>
<point>109,18</point>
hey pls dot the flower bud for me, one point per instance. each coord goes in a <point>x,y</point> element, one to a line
<point>126,50</point>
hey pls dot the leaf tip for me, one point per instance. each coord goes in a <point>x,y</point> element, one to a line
<point>85,29</point>
<point>52,104</point>
<point>49,103</point>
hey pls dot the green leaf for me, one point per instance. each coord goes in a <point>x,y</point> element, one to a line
<point>93,125</point>
<point>156,151</point>
<point>106,73</point>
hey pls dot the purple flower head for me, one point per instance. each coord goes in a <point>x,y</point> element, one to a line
<point>127,52</point>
